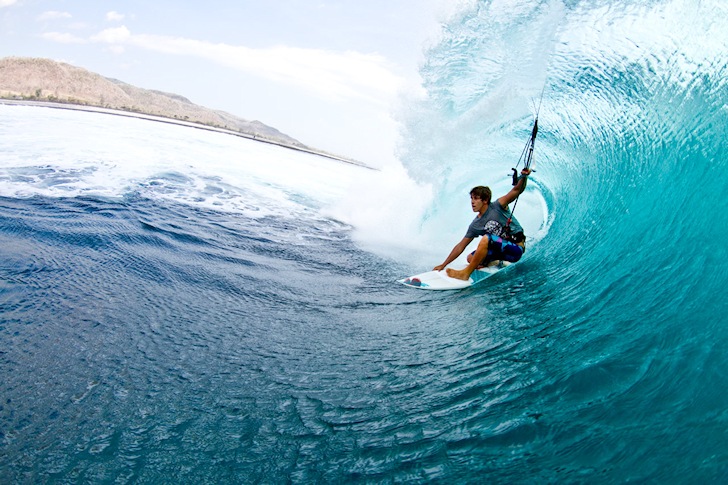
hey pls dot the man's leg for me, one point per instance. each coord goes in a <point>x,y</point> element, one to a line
<point>486,262</point>
<point>480,253</point>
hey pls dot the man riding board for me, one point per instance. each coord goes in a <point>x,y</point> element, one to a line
<point>503,238</point>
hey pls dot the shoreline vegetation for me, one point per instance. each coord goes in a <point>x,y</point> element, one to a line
<point>50,84</point>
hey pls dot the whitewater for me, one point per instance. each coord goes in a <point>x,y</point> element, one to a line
<point>184,306</point>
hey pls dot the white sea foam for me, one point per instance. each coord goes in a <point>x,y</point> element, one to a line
<point>59,153</point>
<point>66,153</point>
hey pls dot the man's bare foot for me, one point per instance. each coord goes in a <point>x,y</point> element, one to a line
<point>459,274</point>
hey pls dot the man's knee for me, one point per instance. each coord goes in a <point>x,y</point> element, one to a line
<point>483,242</point>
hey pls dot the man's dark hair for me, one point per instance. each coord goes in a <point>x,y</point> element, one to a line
<point>482,193</point>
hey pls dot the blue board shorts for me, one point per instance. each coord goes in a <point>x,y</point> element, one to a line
<point>501,249</point>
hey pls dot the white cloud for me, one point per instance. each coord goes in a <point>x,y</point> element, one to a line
<point>63,38</point>
<point>115,16</point>
<point>53,15</point>
<point>117,49</point>
<point>116,35</point>
<point>7,3</point>
<point>329,74</point>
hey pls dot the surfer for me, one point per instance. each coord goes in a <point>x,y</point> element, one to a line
<point>503,237</point>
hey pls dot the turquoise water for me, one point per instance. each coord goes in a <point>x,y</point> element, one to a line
<point>178,306</point>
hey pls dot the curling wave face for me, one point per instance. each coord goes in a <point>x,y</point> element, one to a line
<point>631,126</point>
<point>629,161</point>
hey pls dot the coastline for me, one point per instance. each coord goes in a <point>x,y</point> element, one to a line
<point>172,121</point>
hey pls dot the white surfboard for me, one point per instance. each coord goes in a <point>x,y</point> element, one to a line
<point>439,280</point>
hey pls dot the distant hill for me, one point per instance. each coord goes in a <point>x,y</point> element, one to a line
<point>47,80</point>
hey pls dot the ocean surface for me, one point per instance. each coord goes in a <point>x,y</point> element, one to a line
<point>182,306</point>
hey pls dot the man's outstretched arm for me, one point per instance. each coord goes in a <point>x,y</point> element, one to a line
<point>456,251</point>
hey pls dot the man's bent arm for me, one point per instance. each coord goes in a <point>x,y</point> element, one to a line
<point>456,251</point>
<point>516,190</point>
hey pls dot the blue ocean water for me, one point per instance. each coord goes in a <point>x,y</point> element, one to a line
<point>180,306</point>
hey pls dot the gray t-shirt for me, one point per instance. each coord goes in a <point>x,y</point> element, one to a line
<point>493,222</point>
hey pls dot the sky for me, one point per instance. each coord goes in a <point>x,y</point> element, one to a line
<point>332,74</point>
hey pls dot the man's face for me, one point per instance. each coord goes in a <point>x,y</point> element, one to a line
<point>476,203</point>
